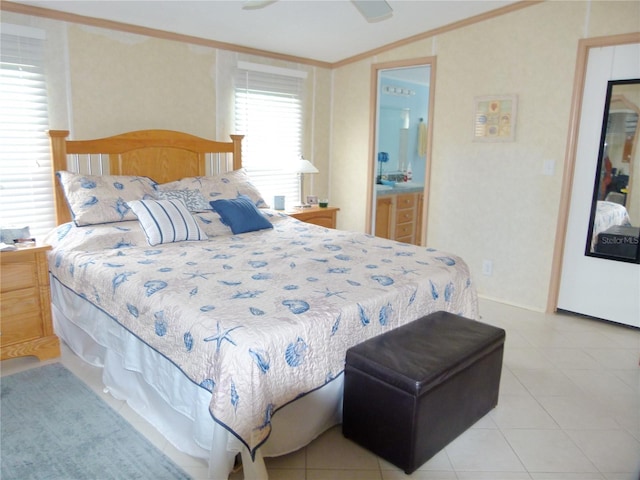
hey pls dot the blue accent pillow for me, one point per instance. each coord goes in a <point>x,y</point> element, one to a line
<point>240,214</point>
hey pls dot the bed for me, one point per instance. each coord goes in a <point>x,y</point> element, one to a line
<point>608,214</point>
<point>221,330</point>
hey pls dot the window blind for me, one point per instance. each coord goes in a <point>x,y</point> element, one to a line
<point>25,161</point>
<point>268,111</point>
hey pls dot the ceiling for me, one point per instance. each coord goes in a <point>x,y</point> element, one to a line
<point>327,31</point>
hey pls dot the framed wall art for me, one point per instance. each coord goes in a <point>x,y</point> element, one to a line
<point>495,118</point>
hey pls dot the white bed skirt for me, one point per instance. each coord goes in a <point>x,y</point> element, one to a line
<point>178,408</point>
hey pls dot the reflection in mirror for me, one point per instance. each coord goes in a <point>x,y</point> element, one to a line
<point>393,137</point>
<point>614,226</point>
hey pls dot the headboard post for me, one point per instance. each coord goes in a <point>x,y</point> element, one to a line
<point>237,151</point>
<point>59,162</point>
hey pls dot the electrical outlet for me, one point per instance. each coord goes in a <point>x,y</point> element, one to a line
<point>487,267</point>
<point>549,167</point>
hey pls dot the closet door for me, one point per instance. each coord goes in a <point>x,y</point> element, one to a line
<point>597,287</point>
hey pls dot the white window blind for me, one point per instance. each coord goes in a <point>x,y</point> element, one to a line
<point>25,163</point>
<point>268,111</point>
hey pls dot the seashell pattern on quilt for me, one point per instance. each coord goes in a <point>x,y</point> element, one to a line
<point>262,318</point>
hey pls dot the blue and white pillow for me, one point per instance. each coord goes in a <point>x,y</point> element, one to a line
<point>193,199</point>
<point>96,199</point>
<point>224,186</point>
<point>166,221</point>
<point>241,214</point>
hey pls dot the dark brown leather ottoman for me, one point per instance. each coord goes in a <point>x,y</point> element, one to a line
<point>411,391</point>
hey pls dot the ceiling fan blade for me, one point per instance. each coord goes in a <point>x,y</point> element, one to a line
<point>373,10</point>
<point>257,4</point>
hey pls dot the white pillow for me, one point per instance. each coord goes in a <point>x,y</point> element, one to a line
<point>166,221</point>
<point>96,199</point>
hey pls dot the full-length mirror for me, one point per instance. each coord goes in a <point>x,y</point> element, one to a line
<point>614,225</point>
<point>400,153</point>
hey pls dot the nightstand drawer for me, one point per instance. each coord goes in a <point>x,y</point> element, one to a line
<point>328,221</point>
<point>21,316</point>
<point>18,275</point>
<point>25,305</point>
<point>323,217</point>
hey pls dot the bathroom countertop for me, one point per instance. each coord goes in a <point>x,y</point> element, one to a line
<point>399,189</point>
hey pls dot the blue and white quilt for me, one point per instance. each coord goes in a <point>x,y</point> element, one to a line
<point>262,318</point>
<point>608,214</point>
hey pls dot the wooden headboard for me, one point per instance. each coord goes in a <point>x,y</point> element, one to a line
<point>162,155</point>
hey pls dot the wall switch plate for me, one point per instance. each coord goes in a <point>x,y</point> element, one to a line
<point>549,167</point>
<point>487,267</point>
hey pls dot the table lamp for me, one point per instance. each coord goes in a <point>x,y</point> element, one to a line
<point>302,166</point>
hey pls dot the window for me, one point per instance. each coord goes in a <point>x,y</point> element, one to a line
<point>25,163</point>
<point>268,111</point>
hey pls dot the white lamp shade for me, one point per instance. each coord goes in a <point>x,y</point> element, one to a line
<point>303,166</point>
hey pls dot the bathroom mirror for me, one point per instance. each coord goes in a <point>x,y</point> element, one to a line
<point>614,224</point>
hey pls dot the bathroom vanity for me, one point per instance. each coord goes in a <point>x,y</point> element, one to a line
<point>399,214</point>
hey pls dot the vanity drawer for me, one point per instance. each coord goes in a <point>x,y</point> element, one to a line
<point>405,215</point>
<point>407,200</point>
<point>404,231</point>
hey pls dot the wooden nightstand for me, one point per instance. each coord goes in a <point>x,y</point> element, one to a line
<point>25,305</point>
<point>323,217</point>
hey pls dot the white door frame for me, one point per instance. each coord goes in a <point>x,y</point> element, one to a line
<point>376,68</point>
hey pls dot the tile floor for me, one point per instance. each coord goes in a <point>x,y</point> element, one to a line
<point>569,409</point>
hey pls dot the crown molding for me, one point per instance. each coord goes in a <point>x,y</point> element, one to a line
<point>156,33</point>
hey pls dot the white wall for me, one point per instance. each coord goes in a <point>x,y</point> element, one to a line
<point>487,200</point>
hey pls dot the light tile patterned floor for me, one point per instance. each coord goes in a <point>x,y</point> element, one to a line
<point>569,409</point>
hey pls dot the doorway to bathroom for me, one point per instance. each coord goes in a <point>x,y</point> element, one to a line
<point>400,150</point>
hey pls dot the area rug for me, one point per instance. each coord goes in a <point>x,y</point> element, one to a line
<point>53,426</point>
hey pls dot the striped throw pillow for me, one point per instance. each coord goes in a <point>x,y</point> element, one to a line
<point>166,221</point>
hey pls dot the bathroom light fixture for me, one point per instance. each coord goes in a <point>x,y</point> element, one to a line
<point>398,91</point>
<point>302,166</point>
